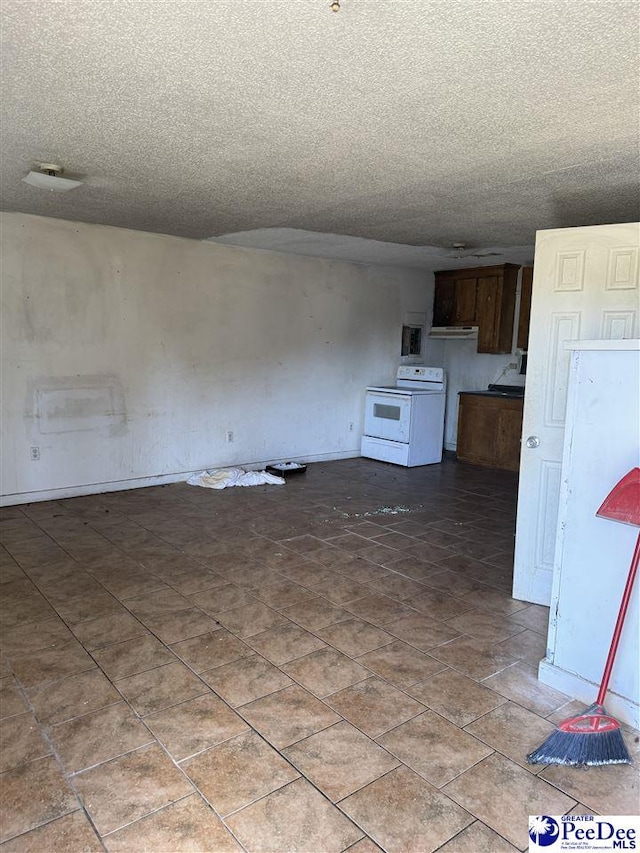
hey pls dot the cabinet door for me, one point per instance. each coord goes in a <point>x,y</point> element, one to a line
<point>443,302</point>
<point>489,430</point>
<point>489,294</point>
<point>509,435</point>
<point>465,302</point>
<point>525,308</point>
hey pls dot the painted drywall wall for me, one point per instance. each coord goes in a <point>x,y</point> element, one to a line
<point>469,370</point>
<point>130,356</point>
<point>600,447</point>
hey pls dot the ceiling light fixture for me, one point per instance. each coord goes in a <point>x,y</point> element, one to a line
<point>335,6</point>
<point>48,178</point>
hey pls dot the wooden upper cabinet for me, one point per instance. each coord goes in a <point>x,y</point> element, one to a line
<point>525,308</point>
<point>464,313</point>
<point>481,296</point>
<point>444,302</point>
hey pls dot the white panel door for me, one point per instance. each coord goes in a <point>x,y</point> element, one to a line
<point>585,286</point>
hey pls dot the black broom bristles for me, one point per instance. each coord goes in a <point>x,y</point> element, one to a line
<point>575,749</point>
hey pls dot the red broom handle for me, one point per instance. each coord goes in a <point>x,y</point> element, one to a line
<point>617,631</point>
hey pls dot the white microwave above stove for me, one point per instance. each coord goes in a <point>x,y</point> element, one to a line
<point>404,423</point>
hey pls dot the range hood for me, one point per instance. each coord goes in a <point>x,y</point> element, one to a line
<point>468,333</point>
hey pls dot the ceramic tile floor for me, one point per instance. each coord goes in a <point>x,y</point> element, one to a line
<point>332,665</point>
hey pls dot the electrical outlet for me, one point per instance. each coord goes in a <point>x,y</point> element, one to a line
<point>350,426</point>
<point>34,454</point>
<point>230,436</point>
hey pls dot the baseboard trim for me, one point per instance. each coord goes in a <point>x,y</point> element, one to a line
<point>620,707</point>
<point>157,480</point>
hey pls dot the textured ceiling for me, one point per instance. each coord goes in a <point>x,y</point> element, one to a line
<point>420,122</point>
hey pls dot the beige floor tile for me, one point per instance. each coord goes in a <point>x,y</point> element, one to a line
<point>485,626</point>
<point>316,614</point>
<point>288,716</point>
<point>20,741</point>
<point>161,687</point>
<point>155,603</point>
<point>325,671</point>
<point>98,736</point>
<point>456,697</point>
<point>378,609</point>
<point>495,601</point>
<point>421,631</point>
<point>412,567</point>
<point>296,817</point>
<point>613,789</point>
<point>11,700</point>
<point>285,643</point>
<point>192,726</point>
<point>180,625</point>
<point>51,664</point>
<point>127,788</point>
<point>244,680</point>
<point>503,795</point>
<point>210,650</point>
<point>132,656</point>
<point>520,684</point>
<point>513,731</point>
<point>354,637</point>
<point>374,706</point>
<point>401,664</point>
<point>339,589</point>
<point>340,760</point>
<point>396,586</point>
<point>238,772</point>
<point>535,617</point>
<point>186,826</point>
<point>221,598</point>
<point>453,583</point>
<point>33,794</point>
<point>107,630</point>
<point>88,607</point>
<point>434,748</point>
<point>405,814</point>
<point>478,838</point>
<point>25,612</point>
<point>529,646</point>
<point>365,845</point>
<point>23,639</point>
<point>73,832</point>
<point>478,659</point>
<point>250,619</point>
<point>72,697</point>
<point>284,593</point>
<point>308,573</point>
<point>438,605</point>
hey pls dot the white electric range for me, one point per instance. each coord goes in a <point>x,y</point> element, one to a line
<point>404,423</point>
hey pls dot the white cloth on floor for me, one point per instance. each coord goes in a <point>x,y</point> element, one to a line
<point>225,477</point>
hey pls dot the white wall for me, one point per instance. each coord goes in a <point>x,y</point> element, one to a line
<point>469,370</point>
<point>129,355</point>
<point>593,554</point>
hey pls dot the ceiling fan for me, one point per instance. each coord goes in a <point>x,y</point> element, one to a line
<point>461,253</point>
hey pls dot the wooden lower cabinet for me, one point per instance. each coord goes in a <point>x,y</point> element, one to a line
<point>489,430</point>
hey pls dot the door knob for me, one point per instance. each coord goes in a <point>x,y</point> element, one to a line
<point>533,441</point>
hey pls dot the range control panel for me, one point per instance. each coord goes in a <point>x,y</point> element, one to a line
<point>420,374</point>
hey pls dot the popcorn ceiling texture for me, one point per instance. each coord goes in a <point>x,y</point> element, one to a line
<point>419,122</point>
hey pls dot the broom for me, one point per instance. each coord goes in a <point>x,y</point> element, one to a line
<point>593,737</point>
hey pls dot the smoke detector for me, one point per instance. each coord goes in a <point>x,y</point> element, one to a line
<point>48,178</point>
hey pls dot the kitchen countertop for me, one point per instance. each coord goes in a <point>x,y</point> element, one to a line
<point>513,391</point>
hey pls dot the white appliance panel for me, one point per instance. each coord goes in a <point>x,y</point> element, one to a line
<point>387,416</point>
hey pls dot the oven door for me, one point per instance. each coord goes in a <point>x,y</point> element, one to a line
<point>387,416</point>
